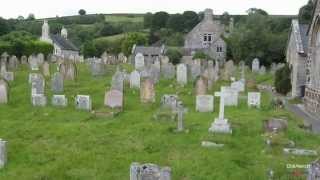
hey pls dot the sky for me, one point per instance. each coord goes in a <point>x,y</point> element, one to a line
<point>52,8</point>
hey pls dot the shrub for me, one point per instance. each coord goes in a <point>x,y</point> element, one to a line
<point>283,80</point>
<point>174,56</point>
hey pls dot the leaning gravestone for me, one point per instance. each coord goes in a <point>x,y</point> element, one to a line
<point>4,92</point>
<point>149,172</point>
<point>204,103</point>
<point>254,99</point>
<point>57,83</point>
<point>139,61</point>
<point>59,100</point>
<point>255,65</point>
<point>182,74</point>
<point>39,100</point>
<point>3,153</point>
<point>135,80</point>
<point>201,86</point>
<point>147,92</point>
<point>168,71</point>
<point>83,102</point>
<point>113,99</point>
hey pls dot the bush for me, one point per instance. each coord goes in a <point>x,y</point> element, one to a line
<point>200,55</point>
<point>130,40</point>
<point>283,80</point>
<point>174,56</point>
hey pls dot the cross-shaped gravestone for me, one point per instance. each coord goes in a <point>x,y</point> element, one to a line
<point>221,106</point>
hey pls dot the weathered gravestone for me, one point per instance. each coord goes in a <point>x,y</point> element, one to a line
<point>117,81</point>
<point>38,100</point>
<point>204,103</point>
<point>195,69</point>
<point>262,70</point>
<point>40,58</point>
<point>254,99</point>
<point>255,65</point>
<point>139,61</point>
<point>168,71</point>
<point>314,170</point>
<point>38,85</point>
<point>33,62</point>
<point>169,101</point>
<point>201,86</point>
<point>97,67</point>
<point>59,100</point>
<point>13,63</point>
<point>24,60</point>
<point>83,102</point>
<point>182,74</point>
<point>135,79</point>
<point>3,68</point>
<point>57,83</point>
<point>3,153</point>
<point>114,99</point>
<point>230,96</point>
<point>229,70</point>
<point>8,76</point>
<point>238,85</point>
<point>220,124</point>
<point>46,69</point>
<point>71,71</point>
<point>149,172</point>
<point>4,92</point>
<point>147,91</point>
<point>180,113</point>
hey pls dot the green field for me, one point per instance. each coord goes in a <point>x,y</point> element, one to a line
<point>113,18</point>
<point>64,143</point>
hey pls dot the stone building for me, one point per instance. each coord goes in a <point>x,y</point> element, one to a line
<point>312,91</point>
<point>297,50</point>
<point>150,53</point>
<point>207,37</point>
<point>63,47</point>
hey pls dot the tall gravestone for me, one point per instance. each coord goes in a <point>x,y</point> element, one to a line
<point>57,84</point>
<point>135,80</point>
<point>255,65</point>
<point>229,70</point>
<point>139,61</point>
<point>4,92</point>
<point>182,74</point>
<point>201,86</point>
<point>117,81</point>
<point>13,63</point>
<point>147,91</point>
<point>46,69</point>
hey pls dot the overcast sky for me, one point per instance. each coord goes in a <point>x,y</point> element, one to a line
<point>51,8</point>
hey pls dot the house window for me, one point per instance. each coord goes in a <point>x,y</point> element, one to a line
<point>207,38</point>
<point>219,49</point>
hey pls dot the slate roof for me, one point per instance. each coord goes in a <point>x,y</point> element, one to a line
<point>301,36</point>
<point>304,36</point>
<point>63,43</point>
<point>151,50</point>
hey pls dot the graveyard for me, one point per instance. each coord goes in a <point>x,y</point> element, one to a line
<point>67,143</point>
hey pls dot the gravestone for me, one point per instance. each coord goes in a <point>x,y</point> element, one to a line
<point>114,99</point>
<point>71,71</point>
<point>3,68</point>
<point>149,172</point>
<point>40,58</point>
<point>182,74</point>
<point>33,62</point>
<point>46,69</point>
<point>195,69</point>
<point>83,102</point>
<point>262,70</point>
<point>229,70</point>
<point>4,92</point>
<point>24,60</point>
<point>254,99</point>
<point>169,101</point>
<point>168,71</point>
<point>8,76</point>
<point>59,100</point>
<point>238,85</point>
<point>57,83</point>
<point>180,111</point>
<point>122,58</point>
<point>204,103</point>
<point>33,76</point>
<point>13,63</point>
<point>201,86</point>
<point>230,96</point>
<point>255,65</point>
<point>97,67</point>
<point>117,81</point>
<point>314,170</point>
<point>147,91</point>
<point>220,124</point>
<point>104,58</point>
<point>139,61</point>
<point>154,73</point>
<point>38,85</point>
<point>3,153</point>
<point>135,80</point>
<point>39,100</point>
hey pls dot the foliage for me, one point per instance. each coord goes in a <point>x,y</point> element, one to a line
<point>305,13</point>
<point>130,40</point>
<point>147,20</point>
<point>82,12</point>
<point>89,49</point>
<point>282,80</point>
<point>200,55</point>
<point>259,35</point>
<point>191,19</point>
<point>23,43</point>
<point>4,26</point>
<point>160,20</point>
<point>108,30</point>
<point>31,17</point>
<point>174,56</point>
<point>176,22</point>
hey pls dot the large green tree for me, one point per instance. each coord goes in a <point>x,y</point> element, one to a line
<point>160,19</point>
<point>305,13</point>
<point>191,19</point>
<point>130,40</point>
<point>176,22</point>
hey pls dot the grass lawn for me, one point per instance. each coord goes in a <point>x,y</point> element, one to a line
<point>124,18</point>
<point>64,143</point>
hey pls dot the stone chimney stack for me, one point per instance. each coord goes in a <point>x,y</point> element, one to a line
<point>208,14</point>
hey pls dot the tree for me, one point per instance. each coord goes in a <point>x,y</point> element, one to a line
<point>200,55</point>
<point>4,26</point>
<point>191,19</point>
<point>176,23</point>
<point>174,56</point>
<point>305,13</point>
<point>20,18</point>
<point>282,80</point>
<point>147,20</point>
<point>82,12</point>
<point>225,18</point>
<point>132,39</point>
<point>89,50</point>
<point>159,20</point>
<point>31,17</point>
<point>257,11</point>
